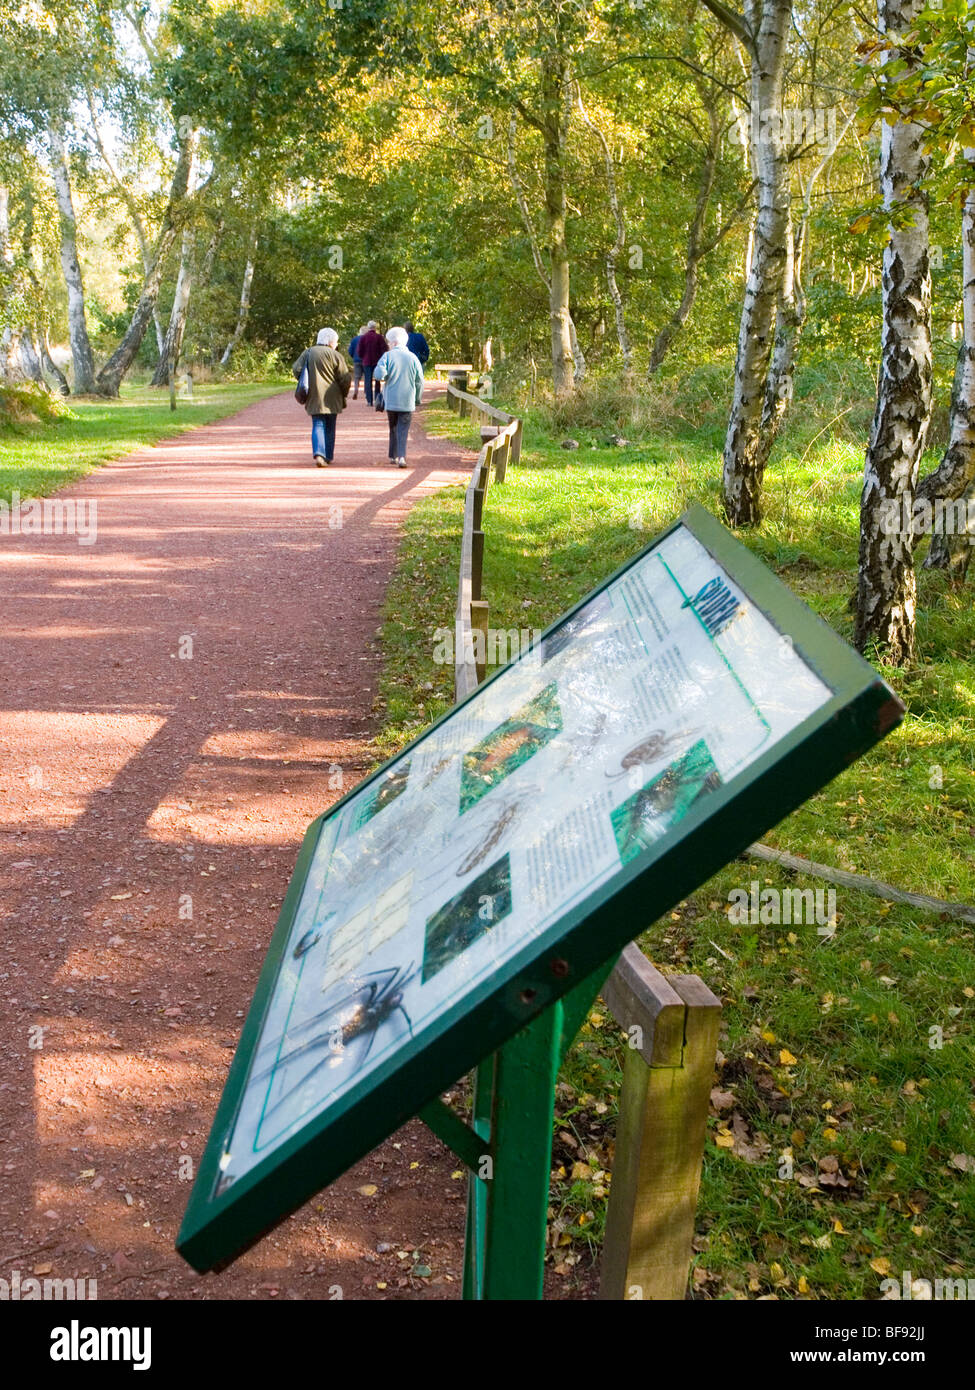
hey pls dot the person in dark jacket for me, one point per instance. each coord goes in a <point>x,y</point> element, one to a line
<point>372,345</point>
<point>357,367</point>
<point>329,380</point>
<point>417,344</point>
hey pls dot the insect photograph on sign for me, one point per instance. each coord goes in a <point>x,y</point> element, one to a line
<point>645,740</point>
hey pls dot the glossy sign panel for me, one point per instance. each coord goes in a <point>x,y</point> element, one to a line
<point>573,768</point>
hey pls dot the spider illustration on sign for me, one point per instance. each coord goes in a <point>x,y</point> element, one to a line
<point>651,749</point>
<point>341,1034</point>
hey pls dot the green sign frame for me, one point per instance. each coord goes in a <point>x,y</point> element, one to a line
<point>861,711</point>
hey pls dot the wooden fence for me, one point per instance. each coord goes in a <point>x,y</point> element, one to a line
<point>671,1021</point>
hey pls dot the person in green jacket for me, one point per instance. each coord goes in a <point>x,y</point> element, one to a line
<point>329,380</point>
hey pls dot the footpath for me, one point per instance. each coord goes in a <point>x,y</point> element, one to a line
<point>178,700</point>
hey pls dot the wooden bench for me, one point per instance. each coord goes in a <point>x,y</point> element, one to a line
<point>448,367</point>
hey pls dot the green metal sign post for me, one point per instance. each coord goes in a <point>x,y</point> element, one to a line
<point>462,906</point>
<point>509,1149</point>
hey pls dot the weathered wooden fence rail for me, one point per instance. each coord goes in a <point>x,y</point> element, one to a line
<point>671,1022</point>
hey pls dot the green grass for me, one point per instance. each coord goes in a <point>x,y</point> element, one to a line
<point>868,1096</point>
<point>37,459</point>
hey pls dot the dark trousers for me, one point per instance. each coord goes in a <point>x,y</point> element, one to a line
<point>323,435</point>
<point>399,428</point>
<point>367,374</point>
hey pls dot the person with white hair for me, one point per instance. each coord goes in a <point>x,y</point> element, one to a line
<point>371,345</point>
<point>328,382</point>
<point>400,374</point>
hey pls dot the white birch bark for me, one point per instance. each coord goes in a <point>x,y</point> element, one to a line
<point>82,358</point>
<point>763,31</point>
<point>138,226</point>
<point>954,478</point>
<point>7,258</point>
<point>243,309</point>
<point>173,344</point>
<point>110,376</point>
<point>790,316</point>
<point>886,583</point>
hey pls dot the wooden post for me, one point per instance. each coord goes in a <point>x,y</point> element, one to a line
<point>659,1144</point>
<point>479,624</point>
<point>502,451</point>
<point>477,562</point>
<point>516,443</point>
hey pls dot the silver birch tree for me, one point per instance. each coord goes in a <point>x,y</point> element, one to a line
<point>886,596</point>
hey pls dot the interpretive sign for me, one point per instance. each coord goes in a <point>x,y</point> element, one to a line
<point>649,736</point>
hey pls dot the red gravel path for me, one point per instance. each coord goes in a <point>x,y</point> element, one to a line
<point>133,780</point>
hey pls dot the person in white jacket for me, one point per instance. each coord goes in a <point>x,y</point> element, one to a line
<point>400,374</point>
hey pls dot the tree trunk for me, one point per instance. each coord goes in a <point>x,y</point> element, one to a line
<point>245,300</point>
<point>790,316</point>
<point>566,353</point>
<point>132,206</point>
<point>954,478</point>
<point>887,585</point>
<point>81,354</point>
<point>780,380</point>
<point>572,346</point>
<point>7,259</point>
<point>50,366</point>
<point>766,26</point>
<point>619,245</point>
<point>110,376</point>
<point>30,358</point>
<point>695,249</point>
<point>173,344</point>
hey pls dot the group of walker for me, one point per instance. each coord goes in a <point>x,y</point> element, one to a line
<point>390,369</point>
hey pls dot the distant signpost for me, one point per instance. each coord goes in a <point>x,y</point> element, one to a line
<point>507,855</point>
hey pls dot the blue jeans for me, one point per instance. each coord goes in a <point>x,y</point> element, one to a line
<point>367,373</point>
<point>323,435</point>
<point>399,428</point>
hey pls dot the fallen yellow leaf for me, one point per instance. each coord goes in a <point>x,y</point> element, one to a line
<point>786,1058</point>
<point>369,1189</point>
<point>898,1146</point>
<point>880,1265</point>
